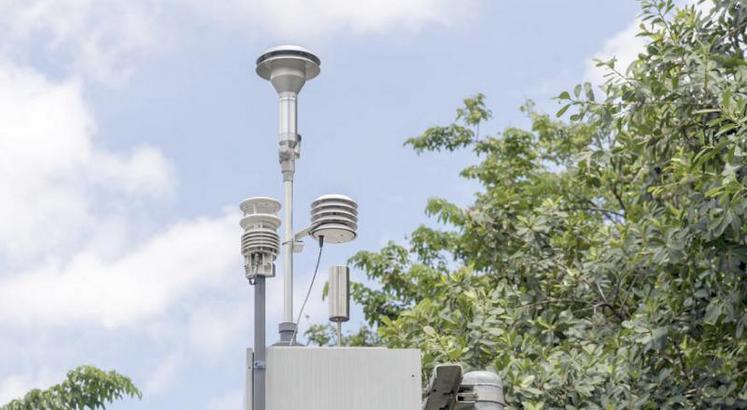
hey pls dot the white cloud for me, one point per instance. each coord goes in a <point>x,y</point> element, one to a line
<point>164,374</point>
<point>50,167</point>
<point>139,285</point>
<point>228,401</point>
<point>145,172</point>
<point>16,386</point>
<point>624,46</point>
<point>102,40</point>
<point>105,40</point>
<point>213,326</point>
<point>69,260</point>
<point>304,18</point>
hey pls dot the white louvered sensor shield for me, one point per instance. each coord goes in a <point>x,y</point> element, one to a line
<point>260,242</point>
<point>335,217</point>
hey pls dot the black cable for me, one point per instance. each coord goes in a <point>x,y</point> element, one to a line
<point>308,293</point>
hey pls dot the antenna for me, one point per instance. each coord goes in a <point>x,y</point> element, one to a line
<point>288,68</point>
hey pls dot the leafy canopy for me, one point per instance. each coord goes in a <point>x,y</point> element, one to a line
<point>604,262</point>
<point>326,335</point>
<point>85,387</point>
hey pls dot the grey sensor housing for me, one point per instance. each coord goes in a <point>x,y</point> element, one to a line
<point>339,294</point>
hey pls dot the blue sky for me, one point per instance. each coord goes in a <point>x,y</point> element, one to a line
<point>130,131</point>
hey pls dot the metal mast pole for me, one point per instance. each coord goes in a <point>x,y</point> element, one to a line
<point>288,68</point>
<point>258,366</point>
<point>260,245</point>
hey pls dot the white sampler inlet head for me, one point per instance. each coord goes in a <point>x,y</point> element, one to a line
<point>288,67</point>
<point>335,217</point>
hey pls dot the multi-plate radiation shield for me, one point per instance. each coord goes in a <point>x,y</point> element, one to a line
<point>334,217</point>
<point>260,242</point>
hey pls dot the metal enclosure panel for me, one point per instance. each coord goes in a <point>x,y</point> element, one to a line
<point>307,378</point>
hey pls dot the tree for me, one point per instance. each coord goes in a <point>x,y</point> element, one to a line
<point>604,262</point>
<point>326,335</point>
<point>85,387</point>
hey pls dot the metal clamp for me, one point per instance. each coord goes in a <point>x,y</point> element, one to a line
<point>258,364</point>
<point>467,397</point>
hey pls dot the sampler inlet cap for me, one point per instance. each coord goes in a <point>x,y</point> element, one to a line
<point>288,67</point>
<point>277,56</point>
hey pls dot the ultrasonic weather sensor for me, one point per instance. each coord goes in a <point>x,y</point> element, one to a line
<point>260,243</point>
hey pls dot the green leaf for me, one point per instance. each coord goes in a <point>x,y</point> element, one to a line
<point>532,405</point>
<point>85,386</point>
<point>600,262</point>
<point>713,312</point>
<point>589,91</point>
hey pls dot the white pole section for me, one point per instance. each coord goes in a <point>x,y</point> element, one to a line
<point>288,251</point>
<point>288,152</point>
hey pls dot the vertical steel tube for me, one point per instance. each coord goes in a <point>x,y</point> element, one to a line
<point>258,367</point>
<point>288,251</point>
<point>288,117</point>
<point>288,136</point>
<point>339,293</point>
<point>339,297</point>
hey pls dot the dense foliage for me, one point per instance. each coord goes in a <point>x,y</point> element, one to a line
<point>85,387</point>
<point>603,264</point>
<point>326,335</point>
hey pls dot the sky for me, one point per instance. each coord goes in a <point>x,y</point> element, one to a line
<point>130,130</point>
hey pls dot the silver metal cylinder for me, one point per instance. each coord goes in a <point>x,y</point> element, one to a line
<point>339,294</point>
<point>482,389</point>
<point>288,252</point>
<point>288,121</point>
